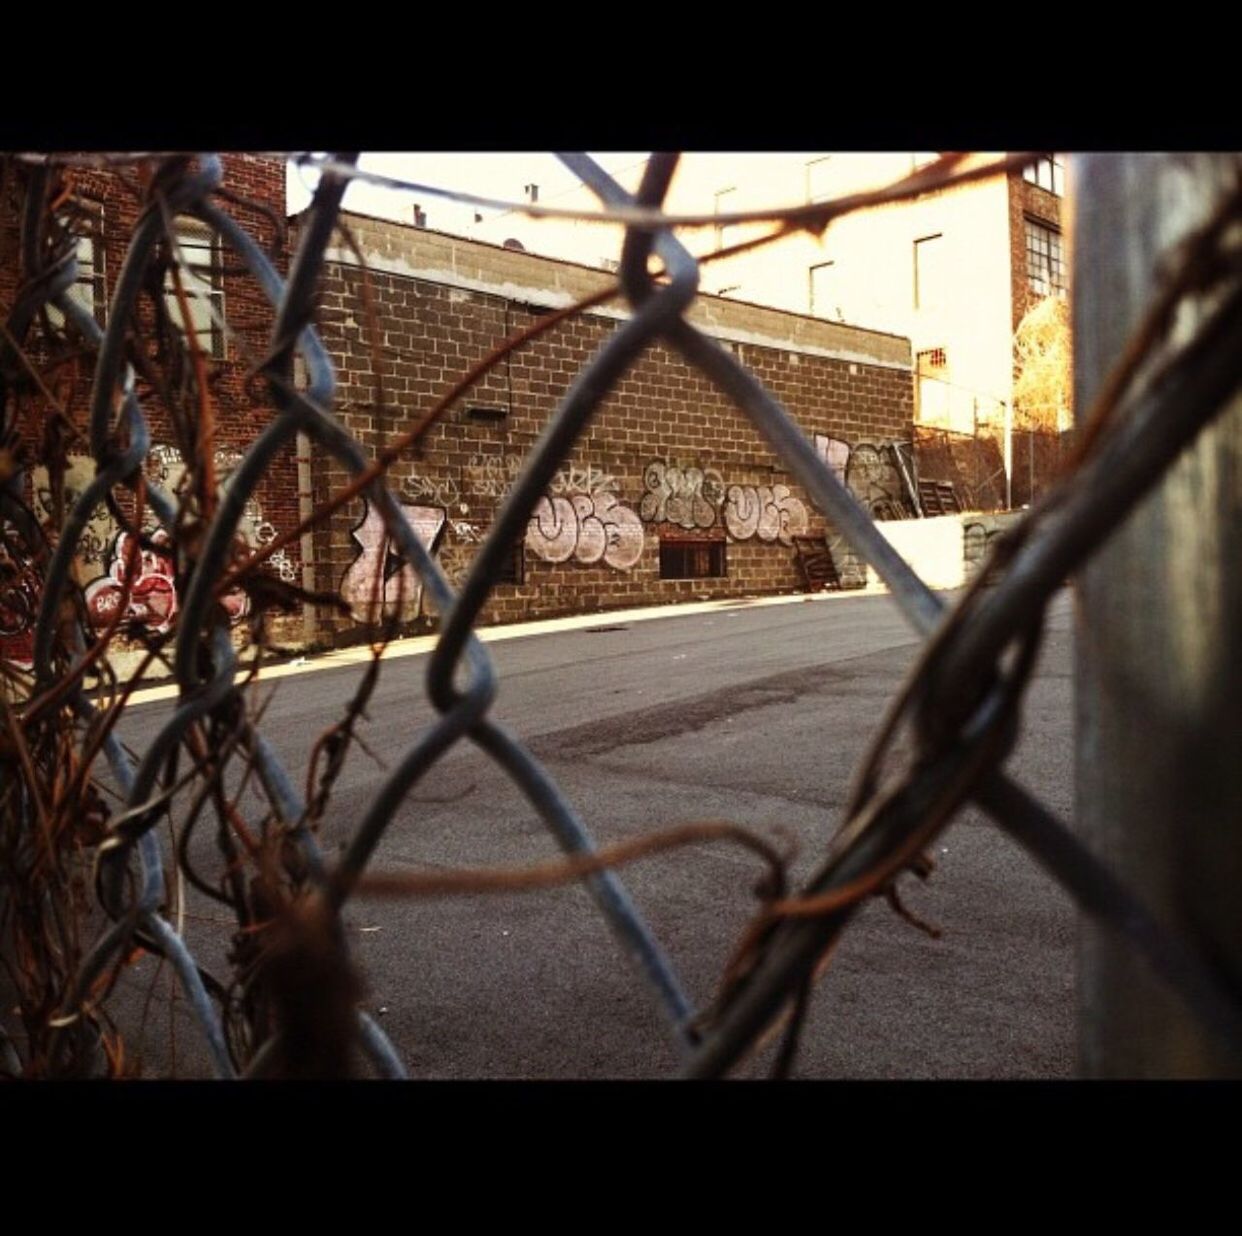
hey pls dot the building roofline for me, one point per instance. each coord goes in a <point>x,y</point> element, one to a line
<point>457,237</point>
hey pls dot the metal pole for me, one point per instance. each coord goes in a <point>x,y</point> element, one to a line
<point>1008,455</point>
<point>1159,663</point>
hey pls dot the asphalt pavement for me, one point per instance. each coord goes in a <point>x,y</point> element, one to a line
<point>754,713</point>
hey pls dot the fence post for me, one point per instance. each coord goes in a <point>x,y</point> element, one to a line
<point>1158,656</point>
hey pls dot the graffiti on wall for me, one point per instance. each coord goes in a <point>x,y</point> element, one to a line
<point>697,499</point>
<point>491,476</point>
<point>100,530</point>
<point>455,558</point>
<point>380,571</point>
<point>574,480</point>
<point>152,601</point>
<point>769,512</point>
<point>978,537</point>
<point>582,518</point>
<point>869,471</point>
<point>103,549</point>
<point>166,468</point>
<point>687,496</point>
<point>430,491</point>
<point>835,453</point>
<point>19,600</point>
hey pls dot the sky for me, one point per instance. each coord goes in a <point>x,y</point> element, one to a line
<point>492,175</point>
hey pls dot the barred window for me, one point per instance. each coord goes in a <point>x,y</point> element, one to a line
<point>202,283</point>
<point>692,559</point>
<point>1047,174</point>
<point>932,374</point>
<point>83,219</point>
<point>1045,268</point>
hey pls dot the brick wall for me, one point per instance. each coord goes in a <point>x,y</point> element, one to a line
<point>257,184</point>
<point>666,458</point>
<point>1028,201</point>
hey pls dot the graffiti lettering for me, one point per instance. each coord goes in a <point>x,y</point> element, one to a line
<point>455,559</point>
<point>874,480</point>
<point>587,527</point>
<point>769,512</point>
<point>465,532</point>
<point>835,453</point>
<point>977,538</point>
<point>588,480</point>
<point>492,476</point>
<point>381,572</point>
<point>100,529</point>
<point>430,491</point>
<point>152,590</point>
<point>688,497</point>
<point>870,472</point>
<point>282,564</point>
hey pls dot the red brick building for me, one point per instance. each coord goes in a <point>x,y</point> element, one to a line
<point>94,212</point>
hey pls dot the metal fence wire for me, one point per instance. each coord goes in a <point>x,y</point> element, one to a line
<point>289,1007</point>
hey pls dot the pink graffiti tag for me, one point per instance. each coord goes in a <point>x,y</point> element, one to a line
<point>769,512</point>
<point>380,571</point>
<point>588,527</point>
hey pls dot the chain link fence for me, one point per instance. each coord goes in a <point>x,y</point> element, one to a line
<point>288,1006</point>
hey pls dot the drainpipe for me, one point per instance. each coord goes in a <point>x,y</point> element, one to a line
<point>306,507</point>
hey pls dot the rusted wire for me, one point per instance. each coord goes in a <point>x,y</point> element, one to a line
<point>290,1004</point>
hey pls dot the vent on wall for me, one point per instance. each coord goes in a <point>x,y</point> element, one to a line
<point>476,412</point>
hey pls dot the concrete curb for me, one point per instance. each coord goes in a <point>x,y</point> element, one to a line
<point>418,644</point>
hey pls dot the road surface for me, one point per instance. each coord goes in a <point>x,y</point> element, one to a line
<point>755,713</point>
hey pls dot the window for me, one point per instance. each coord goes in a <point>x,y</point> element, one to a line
<point>1045,269</point>
<point>201,281</point>
<point>822,291</point>
<point>726,233</point>
<point>921,158</point>
<point>84,219</point>
<point>929,272</point>
<point>1047,174</point>
<point>692,559</point>
<point>818,179</point>
<point>931,367</point>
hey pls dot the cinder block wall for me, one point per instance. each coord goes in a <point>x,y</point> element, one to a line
<point>667,457</point>
<point>979,530</point>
